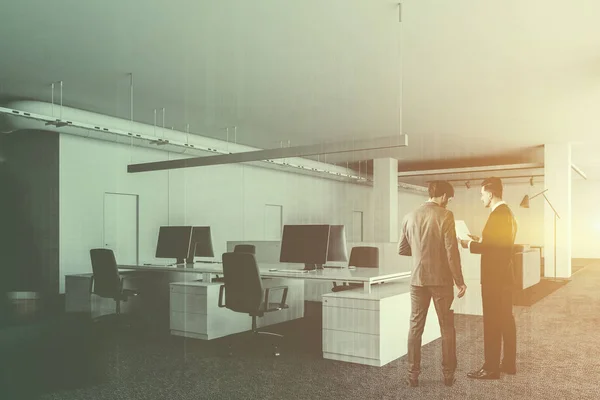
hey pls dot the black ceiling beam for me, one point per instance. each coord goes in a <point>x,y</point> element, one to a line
<point>387,142</point>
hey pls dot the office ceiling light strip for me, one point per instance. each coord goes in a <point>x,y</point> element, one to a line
<point>487,168</point>
<point>411,187</point>
<point>470,180</point>
<point>98,131</point>
<point>272,154</point>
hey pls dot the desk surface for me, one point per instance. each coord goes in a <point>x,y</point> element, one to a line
<point>378,292</point>
<point>363,275</point>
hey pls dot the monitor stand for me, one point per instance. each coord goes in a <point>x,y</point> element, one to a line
<point>311,267</point>
<point>180,261</point>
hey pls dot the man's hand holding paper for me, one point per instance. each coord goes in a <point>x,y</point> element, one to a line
<point>462,231</point>
<point>475,238</point>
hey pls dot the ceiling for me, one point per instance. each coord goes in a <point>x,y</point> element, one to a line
<point>464,79</point>
<point>474,179</point>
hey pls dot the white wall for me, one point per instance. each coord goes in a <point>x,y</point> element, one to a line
<point>229,198</point>
<point>87,170</point>
<point>585,217</point>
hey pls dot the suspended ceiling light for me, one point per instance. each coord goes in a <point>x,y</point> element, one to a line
<point>105,125</point>
<point>381,143</point>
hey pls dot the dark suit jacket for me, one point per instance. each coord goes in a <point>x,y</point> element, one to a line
<point>496,248</point>
<point>429,236</point>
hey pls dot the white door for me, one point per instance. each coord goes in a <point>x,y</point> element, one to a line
<point>273,220</point>
<point>121,226</point>
<point>357,226</point>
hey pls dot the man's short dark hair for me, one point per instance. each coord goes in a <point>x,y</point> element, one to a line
<point>439,188</point>
<point>493,185</point>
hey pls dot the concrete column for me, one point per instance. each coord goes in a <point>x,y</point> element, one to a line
<point>557,179</point>
<point>385,191</point>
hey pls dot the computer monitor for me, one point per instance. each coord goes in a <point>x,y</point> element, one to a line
<point>306,244</point>
<point>174,242</point>
<point>201,244</point>
<point>337,250</point>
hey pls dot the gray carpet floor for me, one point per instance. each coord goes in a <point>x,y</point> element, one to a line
<point>558,358</point>
<point>535,293</point>
<point>579,263</point>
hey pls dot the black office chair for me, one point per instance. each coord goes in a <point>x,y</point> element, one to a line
<point>106,281</point>
<point>360,257</point>
<point>245,248</point>
<point>243,291</point>
<point>239,248</point>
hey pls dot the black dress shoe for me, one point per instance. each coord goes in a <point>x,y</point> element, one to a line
<point>510,370</point>
<point>483,374</point>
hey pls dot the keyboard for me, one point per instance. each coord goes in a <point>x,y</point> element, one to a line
<point>299,271</point>
<point>161,265</point>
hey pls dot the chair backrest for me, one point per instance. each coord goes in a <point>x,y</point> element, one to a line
<point>364,257</point>
<point>107,282</point>
<point>243,286</point>
<point>244,248</point>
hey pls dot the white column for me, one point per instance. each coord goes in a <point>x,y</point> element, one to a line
<point>557,179</point>
<point>385,191</point>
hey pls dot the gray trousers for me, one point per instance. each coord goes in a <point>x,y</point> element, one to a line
<point>442,300</point>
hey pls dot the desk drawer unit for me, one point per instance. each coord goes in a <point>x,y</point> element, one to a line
<point>195,312</point>
<point>470,303</point>
<point>372,330</point>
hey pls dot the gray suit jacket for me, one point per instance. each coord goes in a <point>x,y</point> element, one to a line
<point>429,236</point>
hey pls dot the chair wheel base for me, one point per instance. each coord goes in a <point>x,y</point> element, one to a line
<point>230,351</point>
<point>276,352</point>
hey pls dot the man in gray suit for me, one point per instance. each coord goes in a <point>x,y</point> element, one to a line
<point>429,236</point>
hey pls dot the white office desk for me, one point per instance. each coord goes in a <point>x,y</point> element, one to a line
<point>170,299</point>
<point>366,276</point>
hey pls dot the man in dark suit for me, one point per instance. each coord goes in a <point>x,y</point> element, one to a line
<point>429,236</point>
<point>496,249</point>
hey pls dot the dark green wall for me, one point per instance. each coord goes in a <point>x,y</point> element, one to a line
<point>29,211</point>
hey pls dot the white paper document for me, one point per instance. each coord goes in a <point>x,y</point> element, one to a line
<point>462,231</point>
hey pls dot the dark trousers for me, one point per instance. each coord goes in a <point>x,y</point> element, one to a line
<point>442,299</point>
<point>499,329</point>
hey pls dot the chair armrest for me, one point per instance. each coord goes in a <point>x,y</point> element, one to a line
<point>283,296</point>
<point>125,276</point>
<point>221,292</point>
<point>123,279</point>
